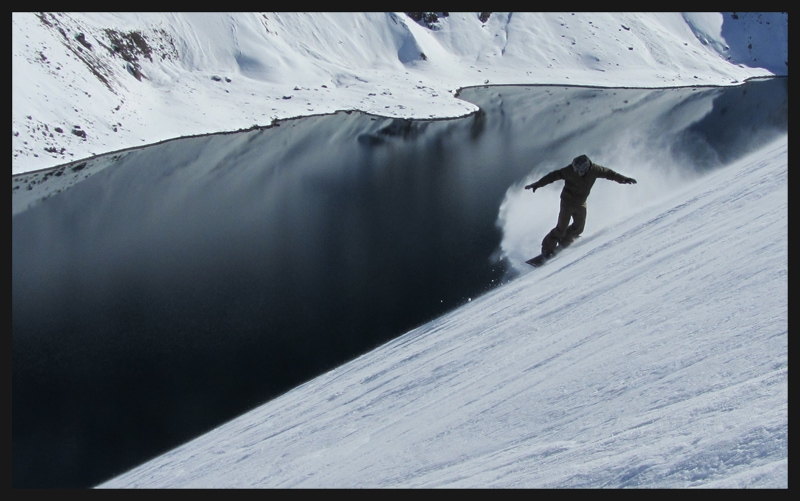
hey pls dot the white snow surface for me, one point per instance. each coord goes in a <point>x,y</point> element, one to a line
<point>651,353</point>
<point>181,74</point>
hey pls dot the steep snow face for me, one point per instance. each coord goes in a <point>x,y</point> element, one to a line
<point>90,83</point>
<point>651,354</point>
<point>747,38</point>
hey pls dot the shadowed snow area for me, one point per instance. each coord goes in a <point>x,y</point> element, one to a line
<point>652,354</point>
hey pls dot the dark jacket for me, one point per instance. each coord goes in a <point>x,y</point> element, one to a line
<point>576,187</point>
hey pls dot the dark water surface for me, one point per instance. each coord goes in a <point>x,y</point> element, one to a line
<point>192,280</point>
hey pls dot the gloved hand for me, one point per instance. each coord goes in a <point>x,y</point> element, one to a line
<point>629,180</point>
<point>531,187</point>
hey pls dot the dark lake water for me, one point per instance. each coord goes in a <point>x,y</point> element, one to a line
<point>189,281</point>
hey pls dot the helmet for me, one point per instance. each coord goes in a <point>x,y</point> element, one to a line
<point>581,164</point>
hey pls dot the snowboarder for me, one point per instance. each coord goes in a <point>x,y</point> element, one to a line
<point>579,177</point>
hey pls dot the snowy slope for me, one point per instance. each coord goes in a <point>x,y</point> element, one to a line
<point>90,83</point>
<point>652,353</point>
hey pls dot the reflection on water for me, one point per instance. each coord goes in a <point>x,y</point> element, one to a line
<point>192,280</point>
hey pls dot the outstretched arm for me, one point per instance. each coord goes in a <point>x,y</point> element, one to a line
<point>607,173</point>
<point>547,179</point>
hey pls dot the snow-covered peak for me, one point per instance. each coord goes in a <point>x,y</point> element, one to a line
<point>90,83</point>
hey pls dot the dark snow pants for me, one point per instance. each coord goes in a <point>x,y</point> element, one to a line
<point>564,233</point>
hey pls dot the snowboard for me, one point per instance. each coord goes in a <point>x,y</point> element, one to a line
<point>541,259</point>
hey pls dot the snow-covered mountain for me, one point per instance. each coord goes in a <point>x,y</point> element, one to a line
<point>90,83</point>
